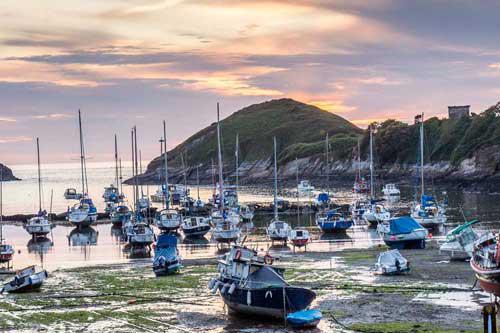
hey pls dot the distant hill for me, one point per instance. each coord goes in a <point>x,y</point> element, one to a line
<point>7,174</point>
<point>464,151</point>
<point>300,130</point>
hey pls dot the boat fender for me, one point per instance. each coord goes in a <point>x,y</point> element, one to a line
<point>211,283</point>
<point>237,255</point>
<point>224,288</point>
<point>270,293</point>
<point>249,297</point>
<point>215,288</point>
<point>268,259</point>
<point>231,289</point>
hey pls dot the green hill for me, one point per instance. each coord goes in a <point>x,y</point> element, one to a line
<point>299,128</point>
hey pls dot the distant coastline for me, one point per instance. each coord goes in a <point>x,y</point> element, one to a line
<point>7,174</point>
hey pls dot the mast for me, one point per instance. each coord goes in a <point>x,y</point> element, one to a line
<point>219,156</point>
<point>237,157</point>
<point>82,155</point>
<point>359,160</point>
<point>298,192</point>
<point>165,160</point>
<point>198,181</point>
<point>327,166</point>
<point>39,176</point>
<point>136,167</point>
<point>422,154</point>
<point>275,182</point>
<point>116,164</point>
<point>133,158</point>
<point>140,171</point>
<point>371,162</point>
<point>184,172</point>
<point>121,177</point>
<point>1,204</point>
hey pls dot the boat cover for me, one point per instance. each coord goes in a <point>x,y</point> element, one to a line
<point>428,200</point>
<point>304,318</point>
<point>403,225</point>
<point>166,240</point>
<point>323,197</point>
<point>263,277</point>
<point>462,227</point>
<point>166,247</point>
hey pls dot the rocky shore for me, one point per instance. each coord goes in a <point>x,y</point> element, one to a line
<point>6,173</point>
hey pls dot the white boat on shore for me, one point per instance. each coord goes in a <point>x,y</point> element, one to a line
<point>459,243</point>
<point>305,187</point>
<point>391,190</point>
<point>26,279</point>
<point>391,263</point>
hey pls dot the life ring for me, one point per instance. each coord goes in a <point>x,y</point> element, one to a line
<point>268,259</point>
<point>237,255</point>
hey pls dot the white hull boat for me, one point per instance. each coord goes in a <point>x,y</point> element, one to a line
<point>390,190</point>
<point>26,279</point>
<point>168,220</point>
<point>459,244</point>
<point>391,263</point>
<point>39,226</point>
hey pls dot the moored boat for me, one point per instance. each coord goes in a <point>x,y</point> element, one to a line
<point>391,190</point>
<point>333,221</point>
<point>375,213</point>
<point>168,220</point>
<point>459,243</point>
<point>83,214</point>
<point>195,226</point>
<point>402,233</point>
<point>120,215</point>
<point>249,284</point>
<point>167,259</point>
<point>391,263</point>
<point>26,279</point>
<point>485,262</point>
<point>72,194</point>
<point>305,187</point>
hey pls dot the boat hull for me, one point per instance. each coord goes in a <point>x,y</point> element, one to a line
<point>405,244</point>
<point>6,257</point>
<point>300,242</point>
<point>198,231</point>
<point>269,302</point>
<point>169,270</point>
<point>489,285</point>
<point>332,227</point>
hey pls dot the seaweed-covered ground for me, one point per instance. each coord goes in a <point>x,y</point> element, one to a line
<point>435,297</point>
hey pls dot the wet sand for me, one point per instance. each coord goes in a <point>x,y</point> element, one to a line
<point>126,297</point>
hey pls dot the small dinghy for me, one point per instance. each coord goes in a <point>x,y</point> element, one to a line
<point>391,263</point>
<point>167,259</point>
<point>304,319</point>
<point>26,279</point>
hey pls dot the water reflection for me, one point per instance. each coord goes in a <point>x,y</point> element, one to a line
<point>340,236</point>
<point>83,237</point>
<point>40,245</point>
<point>117,234</point>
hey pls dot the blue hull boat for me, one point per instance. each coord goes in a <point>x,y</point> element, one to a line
<point>167,260</point>
<point>406,244</point>
<point>304,319</point>
<point>335,226</point>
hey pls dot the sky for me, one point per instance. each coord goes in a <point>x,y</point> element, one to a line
<point>137,62</point>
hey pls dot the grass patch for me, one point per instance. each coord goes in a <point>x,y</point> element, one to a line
<point>403,327</point>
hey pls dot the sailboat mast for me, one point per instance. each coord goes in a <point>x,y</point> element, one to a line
<point>371,162</point>
<point>275,181</point>
<point>1,204</point>
<point>237,157</point>
<point>359,160</point>
<point>82,156</point>
<point>39,176</point>
<point>133,158</point>
<point>136,167</point>
<point>116,164</point>
<point>219,156</point>
<point>140,171</point>
<point>121,177</point>
<point>327,165</point>
<point>198,181</point>
<point>298,192</point>
<point>422,153</point>
<point>165,161</point>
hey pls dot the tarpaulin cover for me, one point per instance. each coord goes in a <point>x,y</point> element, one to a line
<point>428,200</point>
<point>166,240</point>
<point>403,225</point>
<point>323,197</point>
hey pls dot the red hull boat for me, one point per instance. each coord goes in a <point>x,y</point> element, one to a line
<point>485,262</point>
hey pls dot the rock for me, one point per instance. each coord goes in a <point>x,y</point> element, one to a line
<point>7,174</point>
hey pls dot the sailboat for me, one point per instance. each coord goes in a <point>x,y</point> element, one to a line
<point>246,213</point>
<point>360,184</point>
<point>427,212</point>
<point>277,230</point>
<point>299,236</point>
<point>331,220</point>
<point>6,250</point>
<point>120,212</point>
<point>39,225</point>
<point>84,213</point>
<point>225,231</point>
<point>167,219</point>
<point>376,212</point>
<point>459,243</point>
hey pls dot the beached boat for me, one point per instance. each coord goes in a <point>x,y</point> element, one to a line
<point>391,190</point>
<point>402,233</point>
<point>140,234</point>
<point>167,259</point>
<point>459,243</point>
<point>323,199</point>
<point>120,215</point>
<point>246,213</point>
<point>428,212</point>
<point>225,232</point>
<point>26,279</point>
<point>305,187</point>
<point>299,236</point>
<point>195,226</point>
<point>333,221</point>
<point>485,262</point>
<point>375,213</point>
<point>111,194</point>
<point>391,263</point>
<point>168,220</point>
<point>304,319</point>
<point>249,284</point>
<point>72,194</point>
<point>358,208</point>
<point>159,196</point>
<point>277,229</point>
<point>360,184</point>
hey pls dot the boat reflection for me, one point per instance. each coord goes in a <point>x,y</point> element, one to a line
<point>117,234</point>
<point>336,237</point>
<point>83,237</point>
<point>40,245</point>
<point>279,248</point>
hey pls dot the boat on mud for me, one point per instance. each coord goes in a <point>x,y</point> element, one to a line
<point>25,280</point>
<point>83,214</point>
<point>111,194</point>
<point>485,262</point>
<point>375,213</point>
<point>168,220</point>
<point>391,190</point>
<point>167,259</point>
<point>195,226</point>
<point>402,233</point>
<point>305,187</point>
<point>391,263</point>
<point>459,243</point>
<point>333,221</point>
<point>250,284</point>
<point>72,194</point>
<point>358,208</point>
<point>120,215</point>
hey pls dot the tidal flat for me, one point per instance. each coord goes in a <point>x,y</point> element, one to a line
<point>437,296</point>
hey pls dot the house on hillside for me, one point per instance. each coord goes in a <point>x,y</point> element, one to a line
<point>458,111</point>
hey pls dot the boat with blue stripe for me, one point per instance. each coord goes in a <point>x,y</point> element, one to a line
<point>333,221</point>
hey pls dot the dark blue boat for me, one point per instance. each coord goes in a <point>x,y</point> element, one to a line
<point>304,319</point>
<point>333,221</point>
<point>167,260</point>
<point>259,289</point>
<point>402,233</point>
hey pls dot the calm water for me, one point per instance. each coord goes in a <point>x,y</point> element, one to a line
<point>102,245</point>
